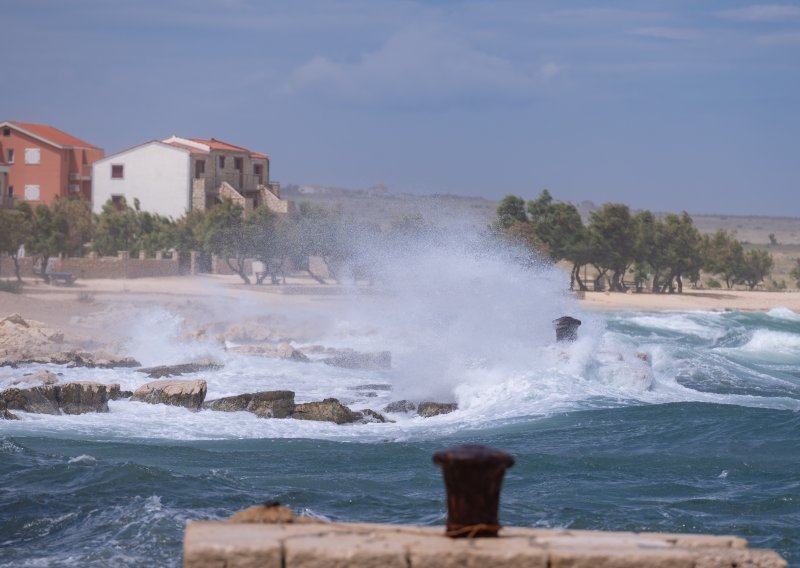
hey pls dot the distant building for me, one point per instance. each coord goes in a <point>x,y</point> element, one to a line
<point>43,163</point>
<point>173,176</point>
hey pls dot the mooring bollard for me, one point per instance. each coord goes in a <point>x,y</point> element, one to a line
<point>473,476</point>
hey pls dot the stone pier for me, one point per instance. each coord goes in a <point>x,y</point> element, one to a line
<point>212,544</point>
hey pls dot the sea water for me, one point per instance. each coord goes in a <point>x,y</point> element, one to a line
<point>677,422</point>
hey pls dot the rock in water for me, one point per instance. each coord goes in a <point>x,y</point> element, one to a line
<point>188,394</point>
<point>38,378</point>
<point>70,398</point>
<point>369,415</point>
<point>171,370</point>
<point>400,406</point>
<point>355,360</point>
<point>329,410</point>
<point>567,328</point>
<point>4,413</point>
<point>266,404</point>
<point>428,409</point>
<point>282,351</point>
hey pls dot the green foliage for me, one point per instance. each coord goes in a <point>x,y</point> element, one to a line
<point>125,228</point>
<point>757,266</point>
<point>724,256</point>
<point>713,283</point>
<point>511,210</point>
<point>14,231</point>
<point>778,285</point>
<point>611,241</point>
<point>795,272</point>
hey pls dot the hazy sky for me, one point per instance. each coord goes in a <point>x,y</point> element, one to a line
<point>685,104</point>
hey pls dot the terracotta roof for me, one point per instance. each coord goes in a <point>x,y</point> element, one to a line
<point>191,149</point>
<point>51,134</point>
<point>215,144</point>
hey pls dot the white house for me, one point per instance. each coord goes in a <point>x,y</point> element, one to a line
<point>176,175</point>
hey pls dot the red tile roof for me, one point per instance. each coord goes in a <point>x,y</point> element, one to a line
<point>215,144</point>
<point>191,149</point>
<point>51,134</point>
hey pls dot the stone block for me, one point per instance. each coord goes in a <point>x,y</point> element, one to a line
<point>333,550</point>
<point>222,545</point>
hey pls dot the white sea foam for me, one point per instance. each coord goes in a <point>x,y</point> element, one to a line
<point>784,314</point>
<point>83,458</point>
<point>465,322</point>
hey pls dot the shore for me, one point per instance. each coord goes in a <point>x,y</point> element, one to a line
<point>59,305</point>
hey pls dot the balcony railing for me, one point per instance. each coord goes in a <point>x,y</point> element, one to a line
<point>239,181</point>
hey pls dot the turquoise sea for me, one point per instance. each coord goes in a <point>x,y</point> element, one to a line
<point>701,437</point>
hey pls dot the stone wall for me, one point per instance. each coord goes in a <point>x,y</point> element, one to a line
<point>210,544</point>
<point>92,266</point>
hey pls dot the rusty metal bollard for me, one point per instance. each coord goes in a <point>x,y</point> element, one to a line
<point>472,477</point>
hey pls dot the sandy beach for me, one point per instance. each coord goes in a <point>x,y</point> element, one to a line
<point>59,305</point>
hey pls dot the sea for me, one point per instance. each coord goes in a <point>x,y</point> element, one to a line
<point>680,422</point>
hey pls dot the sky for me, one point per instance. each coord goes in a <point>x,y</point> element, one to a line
<point>664,105</point>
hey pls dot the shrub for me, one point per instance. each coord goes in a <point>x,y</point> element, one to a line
<point>713,283</point>
<point>11,286</point>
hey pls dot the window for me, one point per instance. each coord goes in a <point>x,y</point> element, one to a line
<point>222,162</point>
<point>257,169</point>
<point>32,156</point>
<point>6,131</point>
<point>238,164</point>
<point>117,171</point>
<point>199,169</point>
<point>32,193</point>
<point>10,191</point>
<point>10,154</point>
<point>74,187</point>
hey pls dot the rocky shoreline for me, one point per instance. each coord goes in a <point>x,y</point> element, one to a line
<point>24,342</point>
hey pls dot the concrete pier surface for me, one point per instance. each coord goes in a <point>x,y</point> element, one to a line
<point>221,544</point>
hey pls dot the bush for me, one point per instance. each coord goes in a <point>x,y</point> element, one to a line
<point>777,284</point>
<point>713,283</point>
<point>11,286</point>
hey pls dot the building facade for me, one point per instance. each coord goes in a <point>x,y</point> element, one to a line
<point>176,175</point>
<point>44,163</point>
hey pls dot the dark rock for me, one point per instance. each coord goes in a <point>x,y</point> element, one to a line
<point>70,398</point>
<point>567,328</point>
<point>428,409</point>
<point>115,393</point>
<point>181,369</point>
<point>266,404</point>
<point>355,360</point>
<point>188,394</point>
<point>4,413</point>
<point>400,406</point>
<point>369,415</point>
<point>376,387</point>
<point>329,410</point>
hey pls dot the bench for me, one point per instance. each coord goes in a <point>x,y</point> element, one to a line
<point>66,278</point>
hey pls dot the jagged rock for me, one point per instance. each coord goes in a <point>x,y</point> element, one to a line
<point>39,378</point>
<point>183,368</point>
<point>369,415</point>
<point>70,398</point>
<point>428,409</point>
<point>355,360</point>
<point>188,394</point>
<point>4,413</point>
<point>282,351</point>
<point>400,406</point>
<point>643,356</point>
<point>22,339</point>
<point>116,393</point>
<point>272,512</point>
<point>266,404</point>
<point>329,410</point>
<point>99,360</point>
<point>83,397</point>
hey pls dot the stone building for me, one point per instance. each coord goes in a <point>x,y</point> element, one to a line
<point>176,175</point>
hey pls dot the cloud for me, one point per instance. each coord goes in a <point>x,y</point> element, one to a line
<point>675,34</point>
<point>763,13</point>
<point>422,66</point>
<point>780,38</point>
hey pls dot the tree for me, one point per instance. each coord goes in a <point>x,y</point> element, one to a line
<point>611,241</point>
<point>14,230</point>
<point>227,235</point>
<point>724,256</point>
<point>72,218</point>
<point>681,243</point>
<point>795,273</point>
<point>511,210</point>
<point>757,266</point>
<point>116,229</point>
<point>46,233</point>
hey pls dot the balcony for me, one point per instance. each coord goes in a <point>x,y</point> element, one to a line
<point>241,182</point>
